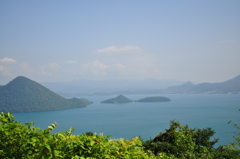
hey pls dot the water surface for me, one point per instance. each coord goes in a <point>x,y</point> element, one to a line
<point>145,119</point>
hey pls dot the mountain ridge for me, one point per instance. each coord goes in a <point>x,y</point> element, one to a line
<point>94,86</point>
<point>231,86</point>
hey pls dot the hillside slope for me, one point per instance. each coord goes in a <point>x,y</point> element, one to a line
<point>118,99</point>
<point>154,99</point>
<point>25,95</point>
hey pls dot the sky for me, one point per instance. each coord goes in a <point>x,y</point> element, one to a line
<point>56,41</point>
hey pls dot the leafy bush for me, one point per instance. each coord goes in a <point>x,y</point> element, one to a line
<point>183,142</point>
<point>177,140</point>
<point>19,140</point>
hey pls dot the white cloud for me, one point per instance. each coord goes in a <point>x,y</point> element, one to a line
<point>119,66</point>
<point>50,69</point>
<point>100,65</point>
<point>96,67</point>
<point>1,68</point>
<point>115,49</point>
<point>6,59</point>
<point>70,61</point>
<point>14,69</point>
<point>24,67</point>
<point>53,65</point>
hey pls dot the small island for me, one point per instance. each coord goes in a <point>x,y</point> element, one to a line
<point>154,99</point>
<point>118,99</point>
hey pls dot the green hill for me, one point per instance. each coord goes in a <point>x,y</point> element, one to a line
<point>154,99</point>
<point>25,95</point>
<point>118,99</point>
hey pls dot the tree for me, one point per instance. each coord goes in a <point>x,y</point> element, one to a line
<point>202,137</point>
<point>181,141</point>
<point>89,133</point>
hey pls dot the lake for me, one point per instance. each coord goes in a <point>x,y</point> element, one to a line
<point>145,119</point>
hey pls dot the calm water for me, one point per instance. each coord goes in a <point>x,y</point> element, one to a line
<point>145,119</point>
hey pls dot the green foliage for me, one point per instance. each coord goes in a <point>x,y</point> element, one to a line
<point>236,144</point>
<point>154,99</point>
<point>225,152</point>
<point>177,140</point>
<point>118,99</point>
<point>25,95</point>
<point>202,137</point>
<point>19,140</point>
<point>231,150</point>
<point>89,133</point>
<point>183,142</point>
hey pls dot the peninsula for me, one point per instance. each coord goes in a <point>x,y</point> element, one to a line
<point>25,95</point>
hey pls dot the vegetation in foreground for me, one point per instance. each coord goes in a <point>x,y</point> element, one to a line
<point>19,140</point>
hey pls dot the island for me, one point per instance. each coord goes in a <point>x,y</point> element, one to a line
<point>25,95</point>
<point>118,99</point>
<point>154,99</point>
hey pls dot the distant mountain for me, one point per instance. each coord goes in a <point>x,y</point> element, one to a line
<point>106,87</point>
<point>231,86</point>
<point>25,95</point>
<point>184,88</point>
<point>118,99</point>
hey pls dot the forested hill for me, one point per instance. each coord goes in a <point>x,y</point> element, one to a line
<point>118,99</point>
<point>154,99</point>
<point>25,95</point>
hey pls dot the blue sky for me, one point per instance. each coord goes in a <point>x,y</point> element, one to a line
<point>50,41</point>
